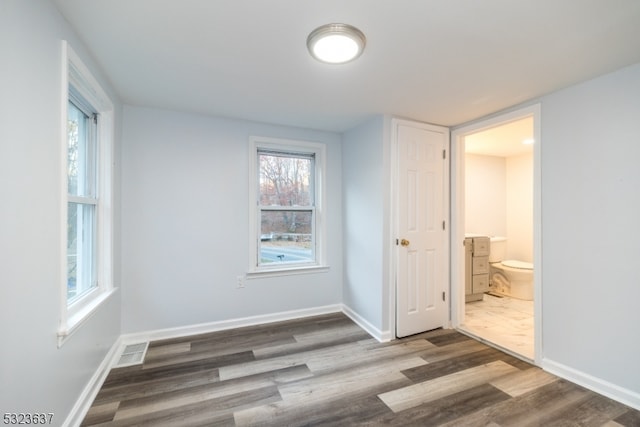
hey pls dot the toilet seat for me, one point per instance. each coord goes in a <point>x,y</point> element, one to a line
<point>514,263</point>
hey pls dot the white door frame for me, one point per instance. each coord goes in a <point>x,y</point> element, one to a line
<point>457,220</point>
<point>392,225</point>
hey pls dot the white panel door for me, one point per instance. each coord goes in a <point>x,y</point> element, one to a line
<point>422,258</point>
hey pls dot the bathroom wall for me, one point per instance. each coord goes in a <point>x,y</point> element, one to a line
<point>519,190</point>
<point>485,195</point>
<point>499,200</point>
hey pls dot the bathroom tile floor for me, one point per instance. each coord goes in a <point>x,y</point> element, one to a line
<point>506,322</point>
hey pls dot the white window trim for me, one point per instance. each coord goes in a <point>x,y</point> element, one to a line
<point>285,145</point>
<point>73,316</point>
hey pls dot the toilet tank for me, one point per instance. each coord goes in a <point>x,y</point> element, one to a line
<point>497,248</point>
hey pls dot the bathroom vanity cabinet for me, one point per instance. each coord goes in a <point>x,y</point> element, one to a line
<point>476,267</point>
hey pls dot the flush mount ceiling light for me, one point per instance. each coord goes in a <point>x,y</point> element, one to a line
<point>336,43</point>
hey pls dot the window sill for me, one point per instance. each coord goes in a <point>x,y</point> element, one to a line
<point>287,271</point>
<point>74,322</point>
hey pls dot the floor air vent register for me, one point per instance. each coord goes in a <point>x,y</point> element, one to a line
<point>133,354</point>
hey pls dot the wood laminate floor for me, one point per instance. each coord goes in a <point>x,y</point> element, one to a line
<point>325,370</point>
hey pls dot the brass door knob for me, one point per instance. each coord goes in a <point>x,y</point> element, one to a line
<point>404,242</point>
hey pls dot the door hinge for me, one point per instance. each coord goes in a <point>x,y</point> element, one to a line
<point>444,154</point>
<point>443,296</point>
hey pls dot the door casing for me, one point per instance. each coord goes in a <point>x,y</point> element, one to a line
<point>457,229</point>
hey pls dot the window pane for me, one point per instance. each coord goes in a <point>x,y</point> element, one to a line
<point>286,236</point>
<point>285,180</point>
<point>81,231</point>
<point>81,153</point>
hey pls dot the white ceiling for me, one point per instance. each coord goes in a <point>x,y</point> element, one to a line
<point>440,61</point>
<point>505,140</point>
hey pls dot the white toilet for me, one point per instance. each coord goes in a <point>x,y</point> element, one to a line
<point>509,277</point>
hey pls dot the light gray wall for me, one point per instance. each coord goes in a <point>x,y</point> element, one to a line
<point>36,376</point>
<point>590,227</point>
<point>185,223</point>
<point>363,174</point>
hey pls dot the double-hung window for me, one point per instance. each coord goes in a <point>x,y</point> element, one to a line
<point>82,197</point>
<point>86,150</point>
<point>286,204</point>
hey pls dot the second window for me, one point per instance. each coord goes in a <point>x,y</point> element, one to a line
<point>288,213</point>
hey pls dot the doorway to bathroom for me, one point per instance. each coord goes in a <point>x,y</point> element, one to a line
<point>495,204</point>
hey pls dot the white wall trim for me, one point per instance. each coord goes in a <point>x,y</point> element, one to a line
<point>457,209</point>
<point>319,150</point>
<point>203,328</point>
<point>90,391</point>
<point>381,336</point>
<point>75,73</point>
<point>74,322</point>
<point>613,391</point>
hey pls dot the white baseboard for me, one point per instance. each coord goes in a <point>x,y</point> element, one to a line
<point>615,392</point>
<point>203,328</point>
<point>89,393</point>
<point>382,336</point>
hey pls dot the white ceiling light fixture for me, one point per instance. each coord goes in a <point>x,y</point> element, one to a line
<point>336,43</point>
